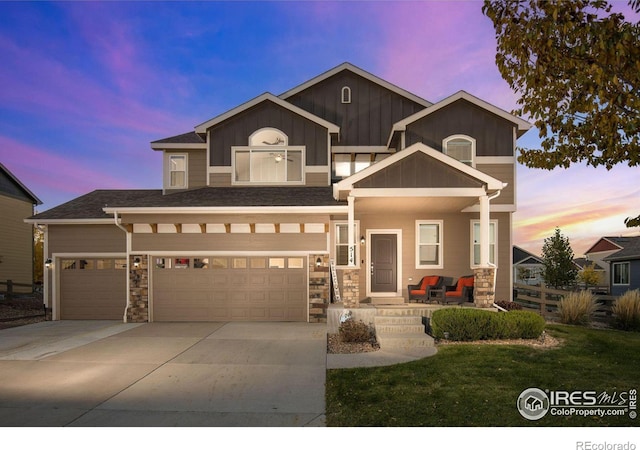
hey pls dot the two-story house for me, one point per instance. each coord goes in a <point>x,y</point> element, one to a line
<point>257,201</point>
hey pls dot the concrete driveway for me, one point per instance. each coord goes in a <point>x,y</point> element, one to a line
<point>102,373</point>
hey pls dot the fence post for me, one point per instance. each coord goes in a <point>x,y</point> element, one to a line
<point>9,289</point>
<point>543,299</point>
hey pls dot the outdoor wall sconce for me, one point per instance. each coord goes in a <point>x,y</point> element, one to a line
<point>47,263</point>
<point>136,263</point>
<point>362,240</point>
<point>318,261</point>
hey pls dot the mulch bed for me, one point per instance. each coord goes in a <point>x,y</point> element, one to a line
<point>336,345</point>
<point>21,311</point>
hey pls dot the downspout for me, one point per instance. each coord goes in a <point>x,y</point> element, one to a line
<point>495,268</point>
<point>119,225</point>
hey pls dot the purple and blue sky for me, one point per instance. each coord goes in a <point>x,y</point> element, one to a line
<point>85,86</point>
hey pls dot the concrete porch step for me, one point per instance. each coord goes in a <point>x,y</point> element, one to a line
<point>405,341</point>
<point>386,300</point>
<point>397,320</point>
<point>400,329</point>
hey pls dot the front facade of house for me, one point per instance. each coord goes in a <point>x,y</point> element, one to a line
<point>16,241</point>
<point>619,258</point>
<point>258,201</point>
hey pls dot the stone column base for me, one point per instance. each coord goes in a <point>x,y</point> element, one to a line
<point>483,287</point>
<point>138,307</point>
<point>351,287</point>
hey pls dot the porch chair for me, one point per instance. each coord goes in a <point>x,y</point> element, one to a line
<point>421,292</point>
<point>459,293</point>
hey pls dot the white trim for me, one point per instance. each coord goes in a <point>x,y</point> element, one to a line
<point>482,160</point>
<point>177,146</point>
<point>167,171</point>
<point>398,233</point>
<point>345,99</point>
<point>273,149</point>
<point>495,243</point>
<point>416,192</point>
<point>203,127</point>
<point>417,244</point>
<point>465,137</point>
<point>333,244</point>
<point>613,272</point>
<point>107,221</point>
<point>357,71</point>
<point>337,209</point>
<point>347,184</point>
<point>360,149</point>
<point>523,125</point>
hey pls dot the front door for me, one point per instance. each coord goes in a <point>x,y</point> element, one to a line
<point>384,263</point>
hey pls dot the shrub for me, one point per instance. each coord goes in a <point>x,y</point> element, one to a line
<point>576,308</point>
<point>509,306</point>
<point>626,310</point>
<point>463,324</point>
<point>355,331</point>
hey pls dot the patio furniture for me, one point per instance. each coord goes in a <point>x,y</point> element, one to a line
<point>421,292</point>
<point>459,293</point>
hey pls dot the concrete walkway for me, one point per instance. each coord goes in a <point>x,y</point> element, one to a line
<point>97,373</point>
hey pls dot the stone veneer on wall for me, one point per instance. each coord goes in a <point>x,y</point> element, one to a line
<point>319,288</point>
<point>138,307</point>
<point>483,287</point>
<point>351,287</point>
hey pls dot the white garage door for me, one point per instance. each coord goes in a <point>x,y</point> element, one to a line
<point>93,288</point>
<point>230,288</point>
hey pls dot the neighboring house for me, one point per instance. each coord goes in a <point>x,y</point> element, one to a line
<point>619,258</point>
<point>16,237</point>
<point>256,202</point>
<point>527,267</point>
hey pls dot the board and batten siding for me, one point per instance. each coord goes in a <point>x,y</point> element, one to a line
<point>16,240</point>
<point>506,174</point>
<point>493,134</point>
<point>236,130</point>
<point>367,119</point>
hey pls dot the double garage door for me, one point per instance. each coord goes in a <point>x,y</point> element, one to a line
<point>230,288</point>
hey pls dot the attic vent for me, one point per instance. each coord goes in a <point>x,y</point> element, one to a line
<point>346,94</point>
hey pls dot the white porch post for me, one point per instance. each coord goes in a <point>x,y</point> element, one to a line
<point>484,231</point>
<point>351,227</point>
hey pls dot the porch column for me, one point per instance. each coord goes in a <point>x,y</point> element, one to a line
<point>351,226</point>
<point>484,231</point>
<point>484,274</point>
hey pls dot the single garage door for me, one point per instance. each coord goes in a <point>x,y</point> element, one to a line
<point>93,288</point>
<point>230,289</point>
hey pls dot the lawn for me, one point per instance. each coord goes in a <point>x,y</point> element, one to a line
<point>478,385</point>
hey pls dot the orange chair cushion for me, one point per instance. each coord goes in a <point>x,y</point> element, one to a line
<point>462,282</point>
<point>428,281</point>
<point>419,292</point>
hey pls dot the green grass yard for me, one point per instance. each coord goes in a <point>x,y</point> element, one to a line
<point>478,385</point>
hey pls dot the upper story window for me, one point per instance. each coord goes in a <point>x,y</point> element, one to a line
<point>268,159</point>
<point>178,171</point>
<point>345,94</point>
<point>460,147</point>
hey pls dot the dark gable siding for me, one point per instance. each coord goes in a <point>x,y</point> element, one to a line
<point>9,188</point>
<point>418,171</point>
<point>367,120</point>
<point>493,134</point>
<point>236,131</point>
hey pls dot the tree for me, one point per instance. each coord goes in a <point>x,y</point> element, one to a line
<point>558,269</point>
<point>576,68</point>
<point>589,276</point>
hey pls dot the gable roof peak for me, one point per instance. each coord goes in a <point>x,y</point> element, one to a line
<point>18,185</point>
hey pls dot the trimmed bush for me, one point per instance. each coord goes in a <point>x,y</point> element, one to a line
<point>576,308</point>
<point>355,331</point>
<point>465,324</point>
<point>626,310</point>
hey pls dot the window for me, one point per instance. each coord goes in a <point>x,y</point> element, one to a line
<point>428,244</point>
<point>178,171</point>
<point>268,159</point>
<point>621,273</point>
<point>462,148</point>
<point>342,243</point>
<point>345,95</point>
<point>475,243</point>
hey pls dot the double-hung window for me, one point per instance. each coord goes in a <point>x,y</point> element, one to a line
<point>342,243</point>
<point>178,171</point>
<point>475,243</point>
<point>620,273</point>
<point>429,244</point>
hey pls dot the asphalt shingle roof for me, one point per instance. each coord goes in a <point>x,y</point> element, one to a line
<point>90,206</point>
<point>630,248</point>
<point>187,138</point>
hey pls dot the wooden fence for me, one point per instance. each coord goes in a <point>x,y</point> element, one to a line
<point>545,300</point>
<point>9,293</point>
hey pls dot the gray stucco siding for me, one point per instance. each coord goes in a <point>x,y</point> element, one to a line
<point>365,121</point>
<point>236,130</point>
<point>493,134</point>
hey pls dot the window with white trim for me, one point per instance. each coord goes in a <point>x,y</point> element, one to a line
<point>268,159</point>
<point>178,171</point>
<point>460,147</point>
<point>475,243</point>
<point>341,238</point>
<point>345,94</point>
<point>621,273</point>
<point>429,244</point>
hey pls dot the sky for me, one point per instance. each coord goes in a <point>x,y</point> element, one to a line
<point>86,86</point>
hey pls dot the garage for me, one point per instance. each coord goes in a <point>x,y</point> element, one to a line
<point>229,288</point>
<point>93,288</point>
